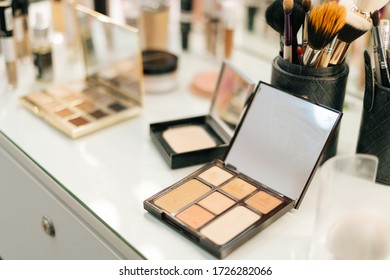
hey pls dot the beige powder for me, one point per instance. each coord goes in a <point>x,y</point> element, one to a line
<point>182,195</point>
<point>188,138</point>
<point>229,225</point>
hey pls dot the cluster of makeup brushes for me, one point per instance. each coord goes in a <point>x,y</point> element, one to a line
<point>327,30</point>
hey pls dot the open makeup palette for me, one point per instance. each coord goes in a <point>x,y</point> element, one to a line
<point>113,88</point>
<point>266,171</point>
<point>196,140</point>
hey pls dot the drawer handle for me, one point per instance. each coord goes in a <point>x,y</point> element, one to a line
<point>48,226</point>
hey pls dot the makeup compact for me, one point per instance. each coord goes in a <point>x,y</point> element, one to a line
<point>196,140</point>
<point>113,88</point>
<point>271,160</point>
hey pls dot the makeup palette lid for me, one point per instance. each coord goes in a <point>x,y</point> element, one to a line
<point>280,139</point>
<point>230,96</point>
<point>111,52</point>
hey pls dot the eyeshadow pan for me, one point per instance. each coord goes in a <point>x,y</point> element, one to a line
<point>117,107</point>
<point>263,202</point>
<point>195,216</point>
<point>188,138</point>
<point>182,195</point>
<point>79,121</point>
<point>71,98</point>
<point>86,106</point>
<point>98,114</point>
<point>65,113</point>
<point>215,175</point>
<point>216,202</point>
<point>238,188</point>
<point>51,106</point>
<point>229,225</point>
<point>40,98</point>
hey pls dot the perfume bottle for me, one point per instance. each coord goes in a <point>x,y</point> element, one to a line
<point>42,50</point>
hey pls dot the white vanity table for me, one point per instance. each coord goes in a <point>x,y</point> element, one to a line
<point>90,191</point>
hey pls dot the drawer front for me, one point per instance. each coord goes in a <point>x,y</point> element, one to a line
<point>29,214</point>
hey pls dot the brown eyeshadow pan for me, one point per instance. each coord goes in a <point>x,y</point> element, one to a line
<point>86,106</point>
<point>263,202</point>
<point>79,121</point>
<point>195,216</point>
<point>98,114</point>
<point>65,113</point>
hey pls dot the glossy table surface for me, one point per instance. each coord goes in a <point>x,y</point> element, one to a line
<point>115,169</point>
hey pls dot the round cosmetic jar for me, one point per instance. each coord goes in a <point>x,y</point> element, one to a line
<point>159,68</point>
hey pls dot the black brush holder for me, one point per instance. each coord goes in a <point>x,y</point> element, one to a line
<point>324,86</point>
<point>374,133</point>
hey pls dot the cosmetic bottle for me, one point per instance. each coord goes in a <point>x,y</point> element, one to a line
<point>252,7</point>
<point>42,50</point>
<point>228,15</point>
<point>8,43</point>
<point>211,10</point>
<point>154,24</point>
<point>131,12</point>
<point>21,30</point>
<point>185,22</point>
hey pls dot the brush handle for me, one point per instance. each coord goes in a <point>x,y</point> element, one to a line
<point>305,33</point>
<point>381,68</point>
<point>287,35</point>
<point>311,56</point>
<point>327,54</point>
<point>339,52</point>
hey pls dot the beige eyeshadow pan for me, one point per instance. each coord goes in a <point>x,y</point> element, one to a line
<point>182,195</point>
<point>238,188</point>
<point>65,113</point>
<point>230,224</point>
<point>195,216</point>
<point>216,202</point>
<point>188,138</point>
<point>263,202</point>
<point>215,175</point>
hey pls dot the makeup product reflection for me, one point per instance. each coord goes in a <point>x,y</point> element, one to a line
<point>264,174</point>
<point>200,139</point>
<point>7,43</point>
<point>21,30</point>
<point>112,90</point>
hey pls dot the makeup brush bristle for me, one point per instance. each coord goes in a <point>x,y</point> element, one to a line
<point>370,6</point>
<point>306,5</point>
<point>288,6</point>
<point>274,16</point>
<point>354,27</point>
<point>325,22</point>
<point>375,18</point>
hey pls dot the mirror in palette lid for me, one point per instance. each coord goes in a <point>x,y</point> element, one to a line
<point>265,173</point>
<point>112,87</point>
<point>194,140</point>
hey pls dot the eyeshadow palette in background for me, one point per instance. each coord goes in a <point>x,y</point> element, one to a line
<point>112,90</point>
<point>201,139</point>
<point>265,173</point>
<point>78,112</point>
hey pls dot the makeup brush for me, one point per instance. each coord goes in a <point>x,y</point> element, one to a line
<point>365,7</point>
<point>325,22</point>
<point>274,15</point>
<point>354,27</point>
<point>381,68</point>
<point>306,4</point>
<point>287,34</point>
